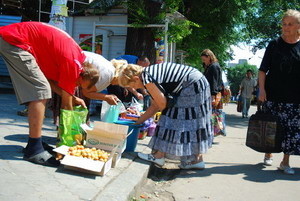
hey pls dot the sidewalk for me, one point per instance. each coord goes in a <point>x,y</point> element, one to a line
<point>233,172</point>
<point>22,180</point>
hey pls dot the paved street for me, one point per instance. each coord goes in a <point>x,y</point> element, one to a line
<point>233,172</point>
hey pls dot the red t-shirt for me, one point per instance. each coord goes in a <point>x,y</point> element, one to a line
<point>56,53</point>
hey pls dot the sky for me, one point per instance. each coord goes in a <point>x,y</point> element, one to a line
<point>243,52</point>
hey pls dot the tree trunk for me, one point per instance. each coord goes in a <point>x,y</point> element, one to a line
<point>140,41</point>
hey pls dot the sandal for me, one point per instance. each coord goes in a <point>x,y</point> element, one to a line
<point>46,146</point>
<point>286,169</point>
<point>43,158</point>
<point>268,161</point>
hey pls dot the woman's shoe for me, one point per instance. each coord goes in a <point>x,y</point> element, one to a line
<point>286,169</point>
<point>151,158</point>
<point>198,166</point>
<point>268,161</point>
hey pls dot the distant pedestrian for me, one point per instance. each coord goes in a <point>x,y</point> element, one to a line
<point>246,92</point>
<point>41,58</point>
<point>213,74</point>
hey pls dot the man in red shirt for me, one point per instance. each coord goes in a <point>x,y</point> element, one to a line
<point>41,58</point>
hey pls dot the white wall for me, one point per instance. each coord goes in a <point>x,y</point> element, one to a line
<point>113,42</point>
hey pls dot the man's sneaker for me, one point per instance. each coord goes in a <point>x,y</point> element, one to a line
<point>286,169</point>
<point>268,161</point>
<point>199,166</point>
<point>151,158</point>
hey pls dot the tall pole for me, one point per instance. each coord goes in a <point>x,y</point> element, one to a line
<point>166,41</point>
<point>59,12</point>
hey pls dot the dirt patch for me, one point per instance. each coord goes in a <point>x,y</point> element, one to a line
<point>153,188</point>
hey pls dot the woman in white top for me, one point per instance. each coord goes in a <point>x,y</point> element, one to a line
<point>107,70</point>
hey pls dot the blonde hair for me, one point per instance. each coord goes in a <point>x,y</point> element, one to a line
<point>90,73</point>
<point>210,54</point>
<point>126,74</point>
<point>119,65</point>
<point>293,13</point>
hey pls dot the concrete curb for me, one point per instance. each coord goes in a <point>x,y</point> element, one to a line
<point>123,187</point>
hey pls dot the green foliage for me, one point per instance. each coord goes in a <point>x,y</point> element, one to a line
<point>236,74</point>
<point>221,22</point>
<point>139,13</point>
<point>263,23</point>
<point>215,24</point>
<point>178,28</point>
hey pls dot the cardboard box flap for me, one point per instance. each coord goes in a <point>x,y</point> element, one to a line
<point>109,130</point>
<point>106,144</point>
<point>84,163</point>
<point>63,149</point>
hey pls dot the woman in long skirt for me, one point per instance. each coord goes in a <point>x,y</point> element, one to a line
<point>182,94</point>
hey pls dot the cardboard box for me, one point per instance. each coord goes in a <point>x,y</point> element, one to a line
<point>83,164</point>
<point>106,136</point>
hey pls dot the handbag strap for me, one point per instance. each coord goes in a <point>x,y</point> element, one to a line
<point>156,83</point>
<point>261,107</point>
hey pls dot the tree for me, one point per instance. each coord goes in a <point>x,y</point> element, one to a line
<point>263,24</point>
<point>213,24</point>
<point>140,40</point>
<point>236,74</point>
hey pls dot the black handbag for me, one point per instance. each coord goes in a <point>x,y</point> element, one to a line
<point>265,133</point>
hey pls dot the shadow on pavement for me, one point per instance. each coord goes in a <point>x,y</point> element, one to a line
<point>11,152</point>
<point>63,170</point>
<point>24,138</point>
<point>236,121</point>
<point>255,173</point>
<point>157,173</point>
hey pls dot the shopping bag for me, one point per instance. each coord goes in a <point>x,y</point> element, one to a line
<point>135,105</point>
<point>69,130</point>
<point>239,104</point>
<point>110,113</point>
<point>217,102</point>
<point>264,133</point>
<point>218,123</point>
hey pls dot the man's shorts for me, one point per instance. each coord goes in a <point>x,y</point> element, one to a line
<point>29,82</point>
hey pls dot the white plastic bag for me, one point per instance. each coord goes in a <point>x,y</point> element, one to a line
<point>135,105</point>
<point>110,113</point>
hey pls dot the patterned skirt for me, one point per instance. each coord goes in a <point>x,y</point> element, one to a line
<point>185,130</point>
<point>289,116</point>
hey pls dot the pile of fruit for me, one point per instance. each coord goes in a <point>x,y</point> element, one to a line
<point>90,153</point>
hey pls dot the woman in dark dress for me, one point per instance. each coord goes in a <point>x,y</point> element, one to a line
<point>279,76</point>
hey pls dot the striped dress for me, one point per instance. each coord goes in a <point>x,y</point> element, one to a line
<point>184,130</point>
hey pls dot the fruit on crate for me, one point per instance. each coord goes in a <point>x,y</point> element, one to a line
<point>90,153</point>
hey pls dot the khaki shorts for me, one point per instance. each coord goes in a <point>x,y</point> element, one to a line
<point>29,82</point>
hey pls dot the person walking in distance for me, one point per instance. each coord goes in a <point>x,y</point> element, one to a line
<point>247,87</point>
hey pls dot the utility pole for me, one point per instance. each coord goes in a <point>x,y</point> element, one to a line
<point>59,12</point>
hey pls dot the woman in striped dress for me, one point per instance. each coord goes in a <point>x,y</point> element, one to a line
<point>184,130</point>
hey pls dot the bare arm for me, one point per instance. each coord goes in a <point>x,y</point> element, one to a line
<point>67,99</point>
<point>135,93</point>
<point>157,96</point>
<point>261,80</point>
<point>150,112</point>
<point>93,94</point>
